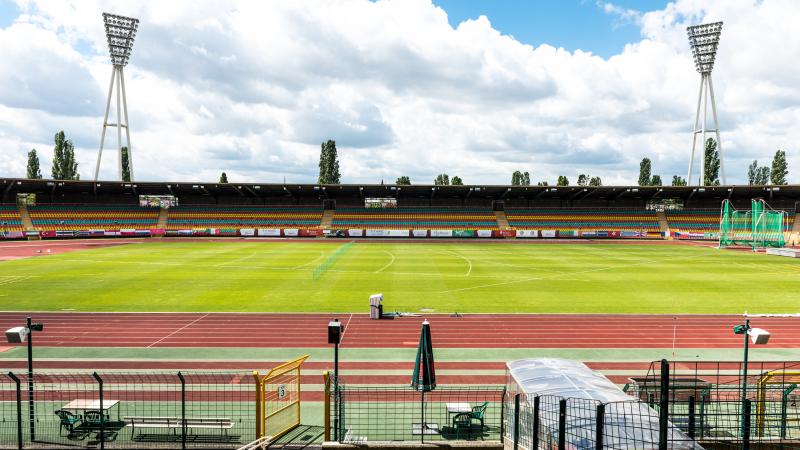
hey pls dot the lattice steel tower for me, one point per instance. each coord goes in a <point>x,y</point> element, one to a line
<point>704,40</point>
<point>120,32</point>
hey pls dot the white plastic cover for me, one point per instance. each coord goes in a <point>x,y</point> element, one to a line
<point>629,423</point>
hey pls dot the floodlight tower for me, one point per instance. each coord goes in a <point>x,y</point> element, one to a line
<point>704,40</point>
<point>120,32</point>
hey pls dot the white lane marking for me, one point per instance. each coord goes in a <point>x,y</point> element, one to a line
<point>180,329</point>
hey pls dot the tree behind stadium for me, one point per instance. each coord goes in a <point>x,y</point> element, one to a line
<point>64,165</point>
<point>34,172</point>
<point>329,163</point>
<point>779,170</point>
<point>711,163</point>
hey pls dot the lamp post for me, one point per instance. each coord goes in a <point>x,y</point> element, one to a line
<point>335,331</point>
<point>758,336</point>
<point>18,335</point>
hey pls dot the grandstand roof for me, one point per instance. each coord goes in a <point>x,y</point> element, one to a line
<point>11,186</point>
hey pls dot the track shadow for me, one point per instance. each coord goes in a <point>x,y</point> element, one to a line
<point>302,437</point>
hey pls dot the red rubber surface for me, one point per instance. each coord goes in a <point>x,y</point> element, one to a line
<point>471,331</point>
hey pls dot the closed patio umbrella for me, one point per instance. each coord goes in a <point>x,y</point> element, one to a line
<point>424,377</point>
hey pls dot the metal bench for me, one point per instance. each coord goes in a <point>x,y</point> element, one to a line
<point>174,423</point>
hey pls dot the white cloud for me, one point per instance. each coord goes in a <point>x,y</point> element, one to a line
<point>252,88</point>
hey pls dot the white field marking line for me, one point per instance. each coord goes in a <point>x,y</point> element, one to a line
<point>519,266</point>
<point>423,274</point>
<point>101,261</point>
<point>180,329</point>
<point>469,261</point>
<point>8,279</point>
<point>557,275</point>
<point>321,255</point>
<point>387,265</point>
<point>243,258</point>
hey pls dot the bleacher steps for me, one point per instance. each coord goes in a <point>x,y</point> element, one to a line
<point>502,220</point>
<point>163,215</point>
<point>326,223</point>
<point>25,217</point>
<point>662,222</point>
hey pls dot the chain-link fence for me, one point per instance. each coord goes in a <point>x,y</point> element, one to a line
<point>127,410</point>
<point>360,414</point>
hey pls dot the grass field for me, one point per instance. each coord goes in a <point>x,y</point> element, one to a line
<point>442,277</point>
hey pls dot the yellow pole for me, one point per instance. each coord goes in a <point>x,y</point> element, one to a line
<point>299,403</point>
<point>327,402</point>
<point>259,404</point>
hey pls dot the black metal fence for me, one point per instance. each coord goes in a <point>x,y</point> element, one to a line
<point>127,410</point>
<point>398,413</point>
<point>706,400</point>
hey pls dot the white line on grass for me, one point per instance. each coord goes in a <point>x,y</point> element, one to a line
<point>243,258</point>
<point>387,265</point>
<point>180,329</point>
<point>321,255</point>
<point>469,261</point>
<point>597,269</point>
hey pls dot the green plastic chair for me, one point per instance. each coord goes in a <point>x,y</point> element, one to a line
<point>68,420</point>
<point>462,422</point>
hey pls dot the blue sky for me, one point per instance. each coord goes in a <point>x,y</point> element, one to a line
<point>572,24</point>
<point>252,87</point>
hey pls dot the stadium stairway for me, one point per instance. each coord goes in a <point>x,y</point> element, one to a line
<point>662,222</point>
<point>502,220</point>
<point>163,216</point>
<point>26,218</point>
<point>326,223</point>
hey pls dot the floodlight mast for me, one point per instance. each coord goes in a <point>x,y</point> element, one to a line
<point>704,40</point>
<point>120,32</point>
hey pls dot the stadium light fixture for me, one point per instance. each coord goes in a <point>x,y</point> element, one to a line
<point>120,34</point>
<point>759,337</point>
<point>704,42</point>
<point>18,335</point>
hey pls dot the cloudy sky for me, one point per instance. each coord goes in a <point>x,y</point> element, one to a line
<point>405,87</point>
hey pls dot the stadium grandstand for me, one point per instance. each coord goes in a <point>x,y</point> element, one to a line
<point>504,211</point>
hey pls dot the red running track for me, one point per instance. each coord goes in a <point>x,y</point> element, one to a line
<point>79,329</point>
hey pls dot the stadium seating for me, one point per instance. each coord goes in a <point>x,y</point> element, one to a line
<point>92,217</point>
<point>584,219</point>
<point>9,218</point>
<point>702,220</point>
<point>694,220</point>
<point>188,217</point>
<point>414,218</point>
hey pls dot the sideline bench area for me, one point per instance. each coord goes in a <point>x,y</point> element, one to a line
<point>222,424</point>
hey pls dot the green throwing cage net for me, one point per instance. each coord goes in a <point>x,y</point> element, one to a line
<point>761,226</point>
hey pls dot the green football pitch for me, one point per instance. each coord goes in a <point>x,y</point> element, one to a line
<point>437,277</point>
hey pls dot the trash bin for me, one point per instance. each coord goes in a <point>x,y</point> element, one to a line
<point>375,306</point>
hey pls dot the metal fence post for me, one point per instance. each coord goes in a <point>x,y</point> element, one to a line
<point>663,408</point>
<point>535,436</point>
<point>183,409</point>
<point>19,408</point>
<point>502,416</point>
<point>691,417</point>
<point>340,413</point>
<point>102,412</point>
<point>599,426</point>
<point>516,422</point>
<point>746,427</point>
<point>562,424</point>
<point>326,420</point>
